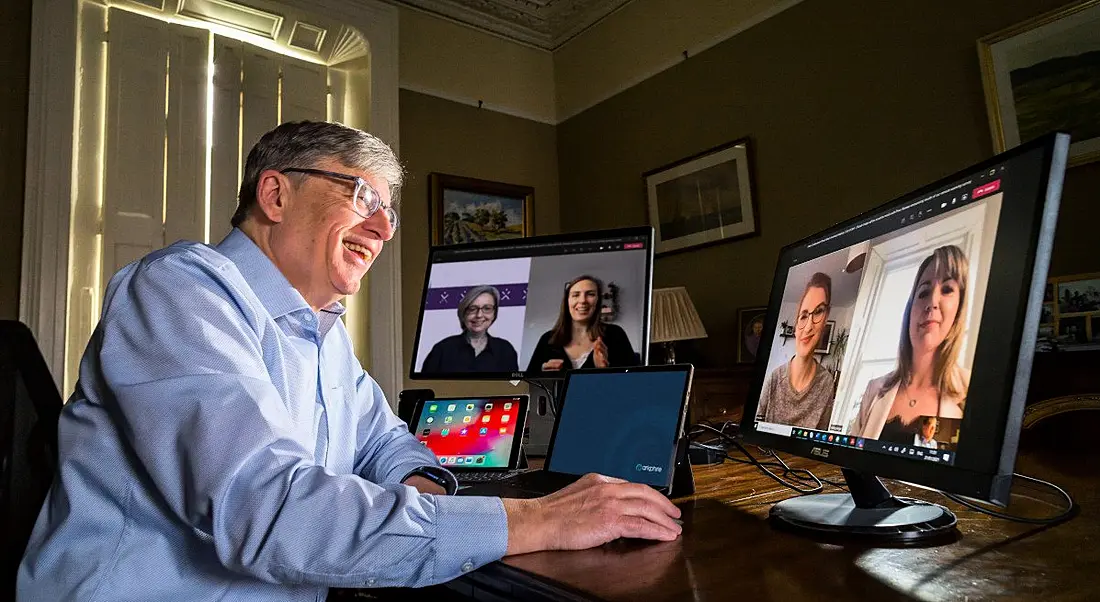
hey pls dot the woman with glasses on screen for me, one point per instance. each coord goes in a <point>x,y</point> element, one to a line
<point>800,392</point>
<point>474,350</point>
<point>580,339</point>
<point>928,380</point>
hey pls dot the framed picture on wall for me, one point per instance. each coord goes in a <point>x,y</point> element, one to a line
<point>703,199</point>
<point>470,210</point>
<point>750,328</point>
<point>1043,75</point>
<point>1074,309</point>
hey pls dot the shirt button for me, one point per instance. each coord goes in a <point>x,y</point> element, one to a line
<point>467,567</point>
<point>370,582</point>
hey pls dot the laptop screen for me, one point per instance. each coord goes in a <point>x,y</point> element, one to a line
<point>621,424</point>
<point>470,433</point>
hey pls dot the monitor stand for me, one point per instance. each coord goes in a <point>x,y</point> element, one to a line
<point>870,513</point>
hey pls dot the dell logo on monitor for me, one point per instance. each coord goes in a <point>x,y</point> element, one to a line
<point>819,451</point>
<point>645,468</point>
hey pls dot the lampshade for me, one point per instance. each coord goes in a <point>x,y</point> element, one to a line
<point>674,316</point>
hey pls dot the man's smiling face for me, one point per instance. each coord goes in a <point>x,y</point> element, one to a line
<point>322,245</point>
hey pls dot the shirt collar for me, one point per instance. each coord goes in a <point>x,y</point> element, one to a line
<point>279,298</point>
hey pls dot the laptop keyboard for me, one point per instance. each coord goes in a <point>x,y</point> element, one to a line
<point>486,477</point>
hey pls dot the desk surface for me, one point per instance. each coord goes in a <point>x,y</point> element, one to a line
<point>730,551</point>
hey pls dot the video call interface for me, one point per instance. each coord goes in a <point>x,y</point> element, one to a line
<point>508,310</point>
<point>469,433</point>
<point>875,342</point>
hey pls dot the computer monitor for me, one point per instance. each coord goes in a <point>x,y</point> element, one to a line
<point>525,295</point>
<point>899,344</point>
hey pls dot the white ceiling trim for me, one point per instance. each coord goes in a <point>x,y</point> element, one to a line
<point>544,24</point>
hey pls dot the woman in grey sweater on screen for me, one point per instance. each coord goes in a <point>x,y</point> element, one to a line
<point>800,392</point>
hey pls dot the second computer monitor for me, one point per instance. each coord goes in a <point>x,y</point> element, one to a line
<point>509,309</point>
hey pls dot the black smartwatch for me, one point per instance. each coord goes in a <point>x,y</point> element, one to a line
<point>437,475</point>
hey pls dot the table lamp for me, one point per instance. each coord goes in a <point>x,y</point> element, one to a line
<point>674,319</point>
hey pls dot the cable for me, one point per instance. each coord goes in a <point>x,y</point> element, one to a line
<point>798,477</point>
<point>551,402</point>
<point>803,475</point>
<point>1070,511</point>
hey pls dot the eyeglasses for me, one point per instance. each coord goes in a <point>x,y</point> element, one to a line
<point>485,309</point>
<point>817,315</point>
<point>365,200</point>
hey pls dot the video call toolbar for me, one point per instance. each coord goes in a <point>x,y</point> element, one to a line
<point>605,245</point>
<point>860,443</point>
<point>941,201</point>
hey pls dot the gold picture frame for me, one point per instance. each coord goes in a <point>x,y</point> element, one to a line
<point>1075,307</point>
<point>465,209</point>
<point>1026,70</point>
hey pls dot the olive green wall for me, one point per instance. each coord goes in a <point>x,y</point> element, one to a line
<point>448,137</point>
<point>848,104</point>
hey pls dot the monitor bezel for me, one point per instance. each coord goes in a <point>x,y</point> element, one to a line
<point>524,401</point>
<point>646,231</point>
<point>993,482</point>
<point>685,400</point>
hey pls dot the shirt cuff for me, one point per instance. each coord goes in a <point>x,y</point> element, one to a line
<point>470,532</point>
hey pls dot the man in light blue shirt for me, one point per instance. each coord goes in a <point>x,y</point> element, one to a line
<point>223,443</point>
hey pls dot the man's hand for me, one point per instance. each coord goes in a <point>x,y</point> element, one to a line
<point>599,353</point>
<point>425,485</point>
<point>551,365</point>
<point>591,512</point>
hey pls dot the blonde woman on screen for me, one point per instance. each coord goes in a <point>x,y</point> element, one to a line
<point>800,392</point>
<point>928,380</point>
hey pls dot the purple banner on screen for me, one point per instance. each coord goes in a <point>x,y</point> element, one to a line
<point>511,295</point>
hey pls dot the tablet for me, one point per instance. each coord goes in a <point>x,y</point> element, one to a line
<point>473,433</point>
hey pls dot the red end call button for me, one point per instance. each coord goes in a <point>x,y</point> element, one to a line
<point>985,189</point>
<point>634,245</point>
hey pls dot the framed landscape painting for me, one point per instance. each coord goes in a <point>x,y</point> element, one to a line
<point>703,199</point>
<point>1043,75</point>
<point>470,210</point>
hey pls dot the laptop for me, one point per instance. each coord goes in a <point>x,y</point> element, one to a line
<point>477,438</point>
<point>619,422</point>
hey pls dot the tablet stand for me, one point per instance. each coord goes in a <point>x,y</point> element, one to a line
<point>683,481</point>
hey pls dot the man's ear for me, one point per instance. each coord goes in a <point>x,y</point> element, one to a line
<point>271,194</point>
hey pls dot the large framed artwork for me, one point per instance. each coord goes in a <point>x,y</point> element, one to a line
<point>703,199</point>
<point>470,210</point>
<point>1043,75</point>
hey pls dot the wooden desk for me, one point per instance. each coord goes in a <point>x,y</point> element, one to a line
<point>729,551</point>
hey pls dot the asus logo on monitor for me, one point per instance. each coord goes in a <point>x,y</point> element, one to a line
<point>818,451</point>
<point>644,468</point>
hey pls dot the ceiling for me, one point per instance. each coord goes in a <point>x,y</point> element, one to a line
<point>546,24</point>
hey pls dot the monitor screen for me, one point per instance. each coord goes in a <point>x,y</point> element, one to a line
<point>622,424</point>
<point>894,339</point>
<point>507,309</point>
<point>471,433</point>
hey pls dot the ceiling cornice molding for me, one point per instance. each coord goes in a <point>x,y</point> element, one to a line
<point>544,24</point>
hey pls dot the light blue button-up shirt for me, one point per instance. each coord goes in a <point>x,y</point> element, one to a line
<point>223,443</point>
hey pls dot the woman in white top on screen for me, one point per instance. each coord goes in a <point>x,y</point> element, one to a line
<point>928,380</point>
